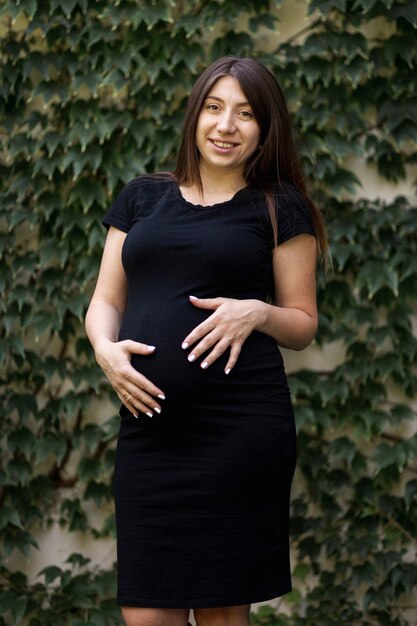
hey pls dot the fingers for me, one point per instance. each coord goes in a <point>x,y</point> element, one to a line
<point>209,340</point>
<point>209,324</point>
<point>128,374</point>
<point>223,329</point>
<point>217,351</point>
<point>135,347</point>
<point>138,401</point>
<point>138,394</point>
<point>136,391</point>
<point>200,331</point>
<point>126,377</point>
<point>125,399</point>
<point>220,346</point>
<point>234,354</point>
<point>207,303</point>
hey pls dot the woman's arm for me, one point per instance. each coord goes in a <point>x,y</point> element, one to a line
<point>102,323</point>
<point>107,305</point>
<point>291,321</point>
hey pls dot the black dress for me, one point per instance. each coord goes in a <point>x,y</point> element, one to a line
<point>202,490</point>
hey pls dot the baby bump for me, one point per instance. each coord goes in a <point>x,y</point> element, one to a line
<point>165,327</point>
<point>260,361</point>
<point>169,369</point>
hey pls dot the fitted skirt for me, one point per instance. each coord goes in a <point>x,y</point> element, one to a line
<point>202,497</point>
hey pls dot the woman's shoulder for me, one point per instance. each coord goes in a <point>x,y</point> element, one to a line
<point>290,200</point>
<point>136,198</point>
<point>287,191</point>
<point>149,183</point>
<point>279,190</point>
<point>286,197</point>
<point>293,213</point>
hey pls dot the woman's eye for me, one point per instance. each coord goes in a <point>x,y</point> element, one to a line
<point>246,114</point>
<point>213,107</point>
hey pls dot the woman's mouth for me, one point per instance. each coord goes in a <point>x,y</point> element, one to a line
<point>223,145</point>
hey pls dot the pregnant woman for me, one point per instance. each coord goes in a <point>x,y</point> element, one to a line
<point>205,272</point>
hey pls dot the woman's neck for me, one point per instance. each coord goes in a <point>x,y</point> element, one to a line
<point>221,181</point>
<point>215,190</point>
<point>218,185</point>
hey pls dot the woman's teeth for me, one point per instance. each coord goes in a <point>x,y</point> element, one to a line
<point>223,144</point>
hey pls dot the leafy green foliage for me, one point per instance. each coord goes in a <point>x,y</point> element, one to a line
<point>92,94</point>
<point>71,595</point>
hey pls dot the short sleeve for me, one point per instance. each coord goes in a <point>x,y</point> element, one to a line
<point>294,215</point>
<point>122,212</point>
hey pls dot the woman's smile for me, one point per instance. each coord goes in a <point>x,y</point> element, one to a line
<point>223,146</point>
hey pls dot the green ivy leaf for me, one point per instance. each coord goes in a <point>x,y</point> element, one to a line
<point>89,468</point>
<point>386,455</point>
<point>25,404</point>
<point>18,539</point>
<point>408,11</point>
<point>85,192</point>
<point>51,444</point>
<point>73,515</point>
<point>375,275</point>
<point>410,492</point>
<point>153,14</point>
<point>21,439</point>
<point>51,573</point>
<point>342,181</point>
<point>324,6</point>
<point>19,470</point>
<point>11,602</point>
<point>9,515</point>
<point>301,571</point>
<point>401,412</point>
<point>75,558</point>
<point>98,492</point>
<point>344,449</point>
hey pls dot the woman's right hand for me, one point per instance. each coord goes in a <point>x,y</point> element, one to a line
<point>135,391</point>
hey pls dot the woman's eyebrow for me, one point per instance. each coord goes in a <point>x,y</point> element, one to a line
<point>239,104</point>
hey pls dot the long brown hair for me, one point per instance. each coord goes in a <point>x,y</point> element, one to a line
<point>277,161</point>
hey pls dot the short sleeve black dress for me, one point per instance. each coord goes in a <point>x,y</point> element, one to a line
<point>202,490</point>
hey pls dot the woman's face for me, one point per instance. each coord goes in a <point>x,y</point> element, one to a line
<point>227,133</point>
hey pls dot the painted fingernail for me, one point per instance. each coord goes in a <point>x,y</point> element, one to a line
<point>184,346</point>
<point>151,348</point>
<point>193,297</point>
<point>191,358</point>
<point>137,416</point>
<point>155,408</point>
<point>228,370</point>
<point>161,395</point>
<point>149,414</point>
<point>204,365</point>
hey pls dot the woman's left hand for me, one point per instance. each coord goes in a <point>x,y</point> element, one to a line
<point>228,327</point>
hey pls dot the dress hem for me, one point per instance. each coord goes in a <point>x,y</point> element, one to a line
<point>199,604</point>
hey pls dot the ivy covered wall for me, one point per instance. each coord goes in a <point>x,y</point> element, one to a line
<point>92,94</point>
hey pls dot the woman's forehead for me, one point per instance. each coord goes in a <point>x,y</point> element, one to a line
<point>227,88</point>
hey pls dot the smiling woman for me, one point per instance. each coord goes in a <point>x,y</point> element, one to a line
<point>182,326</point>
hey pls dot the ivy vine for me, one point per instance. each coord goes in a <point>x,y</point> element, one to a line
<point>92,94</point>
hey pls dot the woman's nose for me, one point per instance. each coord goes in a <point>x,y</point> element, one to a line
<point>226,122</point>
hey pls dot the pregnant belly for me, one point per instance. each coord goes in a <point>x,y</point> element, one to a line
<point>259,362</point>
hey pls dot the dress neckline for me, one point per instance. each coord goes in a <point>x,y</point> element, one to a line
<point>208,207</point>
